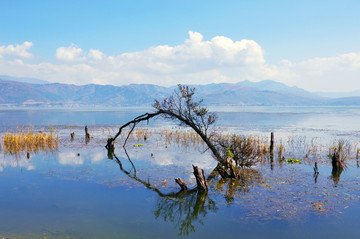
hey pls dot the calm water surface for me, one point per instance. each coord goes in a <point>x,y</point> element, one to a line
<point>78,192</point>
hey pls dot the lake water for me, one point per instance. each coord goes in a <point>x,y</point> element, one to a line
<point>78,192</point>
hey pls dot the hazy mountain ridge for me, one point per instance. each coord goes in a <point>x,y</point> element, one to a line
<point>265,93</point>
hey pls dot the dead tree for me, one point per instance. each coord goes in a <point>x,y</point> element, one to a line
<point>182,107</point>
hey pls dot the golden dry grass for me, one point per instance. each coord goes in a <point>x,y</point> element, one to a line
<point>29,141</point>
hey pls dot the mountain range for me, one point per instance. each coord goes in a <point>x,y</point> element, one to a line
<point>33,92</point>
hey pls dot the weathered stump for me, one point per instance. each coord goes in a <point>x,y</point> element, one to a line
<point>228,169</point>
<point>200,179</point>
<point>182,184</point>
<point>87,135</point>
<point>337,164</point>
<point>110,147</point>
<point>316,170</point>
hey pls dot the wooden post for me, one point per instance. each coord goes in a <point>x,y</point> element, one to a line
<point>272,144</point>
<point>200,179</point>
<point>272,151</point>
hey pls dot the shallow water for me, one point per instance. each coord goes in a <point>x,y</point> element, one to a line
<point>78,192</point>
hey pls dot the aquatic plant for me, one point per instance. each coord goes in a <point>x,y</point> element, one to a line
<point>246,151</point>
<point>292,160</point>
<point>280,151</point>
<point>342,149</point>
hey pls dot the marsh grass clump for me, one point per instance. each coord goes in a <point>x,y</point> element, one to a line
<point>281,150</point>
<point>183,137</point>
<point>245,151</point>
<point>30,141</point>
<point>342,149</point>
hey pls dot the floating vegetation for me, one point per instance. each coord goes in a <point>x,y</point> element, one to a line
<point>29,141</point>
<point>291,161</point>
<point>138,145</point>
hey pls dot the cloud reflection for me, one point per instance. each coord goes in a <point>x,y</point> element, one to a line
<point>13,162</point>
<point>70,158</point>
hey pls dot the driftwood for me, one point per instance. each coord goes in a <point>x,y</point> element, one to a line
<point>182,184</point>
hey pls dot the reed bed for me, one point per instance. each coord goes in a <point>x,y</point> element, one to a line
<point>29,141</point>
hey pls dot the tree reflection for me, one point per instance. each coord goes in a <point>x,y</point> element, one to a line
<point>335,176</point>
<point>181,208</point>
<point>242,185</point>
<point>184,209</point>
<point>187,207</point>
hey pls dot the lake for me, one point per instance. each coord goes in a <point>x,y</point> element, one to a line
<point>76,191</point>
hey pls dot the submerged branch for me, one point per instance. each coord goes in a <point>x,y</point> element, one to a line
<point>135,121</point>
<point>148,184</point>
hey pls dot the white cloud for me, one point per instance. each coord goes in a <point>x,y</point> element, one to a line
<point>18,50</point>
<point>95,54</point>
<point>195,61</point>
<point>71,53</point>
<point>336,73</point>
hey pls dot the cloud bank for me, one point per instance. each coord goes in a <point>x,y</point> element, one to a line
<point>18,50</point>
<point>195,61</point>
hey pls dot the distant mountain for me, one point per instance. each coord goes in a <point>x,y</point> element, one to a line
<point>23,79</point>
<point>268,85</point>
<point>355,93</point>
<point>348,101</point>
<point>266,93</point>
<point>24,94</point>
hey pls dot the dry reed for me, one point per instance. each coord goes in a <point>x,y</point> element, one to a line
<point>29,141</point>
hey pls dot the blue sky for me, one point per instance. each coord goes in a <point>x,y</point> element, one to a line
<point>312,44</point>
